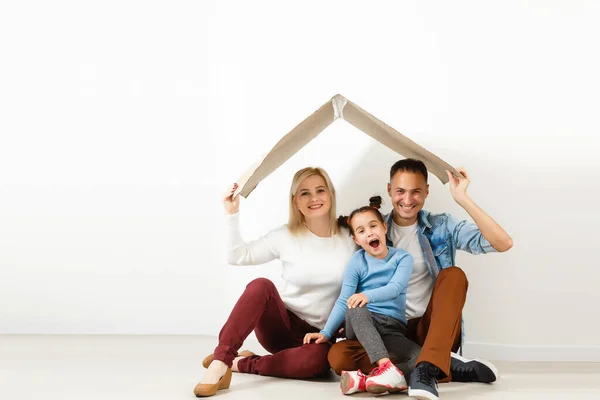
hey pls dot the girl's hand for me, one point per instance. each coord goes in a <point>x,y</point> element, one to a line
<point>231,204</point>
<point>357,300</point>
<point>320,338</point>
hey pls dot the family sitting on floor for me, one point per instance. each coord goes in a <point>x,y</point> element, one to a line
<point>389,284</point>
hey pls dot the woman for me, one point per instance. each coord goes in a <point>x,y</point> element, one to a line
<point>313,251</point>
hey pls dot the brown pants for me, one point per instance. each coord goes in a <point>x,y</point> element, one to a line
<point>438,331</point>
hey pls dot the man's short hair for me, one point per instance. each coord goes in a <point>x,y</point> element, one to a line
<point>409,165</point>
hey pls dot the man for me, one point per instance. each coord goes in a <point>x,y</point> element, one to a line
<point>437,289</point>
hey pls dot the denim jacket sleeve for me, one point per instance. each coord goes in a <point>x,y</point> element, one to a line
<point>467,236</point>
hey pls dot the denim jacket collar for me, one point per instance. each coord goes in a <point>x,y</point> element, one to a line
<point>423,220</point>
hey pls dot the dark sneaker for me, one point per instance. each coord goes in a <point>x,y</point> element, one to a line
<point>466,370</point>
<point>423,385</point>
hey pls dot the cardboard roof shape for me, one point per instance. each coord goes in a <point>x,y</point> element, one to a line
<point>311,127</point>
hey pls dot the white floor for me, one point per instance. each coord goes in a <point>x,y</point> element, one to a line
<point>168,367</point>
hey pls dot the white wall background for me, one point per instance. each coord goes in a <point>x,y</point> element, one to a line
<point>121,123</point>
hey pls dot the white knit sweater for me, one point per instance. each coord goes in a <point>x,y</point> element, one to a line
<point>313,267</point>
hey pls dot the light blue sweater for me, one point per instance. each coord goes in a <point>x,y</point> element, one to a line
<point>384,282</point>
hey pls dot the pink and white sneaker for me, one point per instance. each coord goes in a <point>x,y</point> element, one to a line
<point>353,382</point>
<point>386,378</point>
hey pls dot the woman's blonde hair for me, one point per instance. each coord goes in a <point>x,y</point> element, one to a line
<point>297,222</point>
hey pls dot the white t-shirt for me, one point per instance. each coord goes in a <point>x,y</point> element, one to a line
<point>313,267</point>
<point>420,284</point>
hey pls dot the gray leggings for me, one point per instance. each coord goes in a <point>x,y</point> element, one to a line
<point>382,337</point>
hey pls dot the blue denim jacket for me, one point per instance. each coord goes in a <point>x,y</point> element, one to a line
<point>440,236</point>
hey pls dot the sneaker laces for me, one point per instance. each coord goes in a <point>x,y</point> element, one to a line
<point>426,376</point>
<point>362,380</point>
<point>380,369</point>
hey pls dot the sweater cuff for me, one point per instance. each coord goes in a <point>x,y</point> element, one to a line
<point>369,294</point>
<point>232,219</point>
<point>326,334</point>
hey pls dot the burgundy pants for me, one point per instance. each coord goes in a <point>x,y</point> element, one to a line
<point>279,331</point>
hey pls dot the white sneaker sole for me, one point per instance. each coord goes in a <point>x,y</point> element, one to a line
<point>378,389</point>
<point>421,394</point>
<point>484,362</point>
<point>392,383</point>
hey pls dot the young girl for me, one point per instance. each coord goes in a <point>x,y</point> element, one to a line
<point>372,299</point>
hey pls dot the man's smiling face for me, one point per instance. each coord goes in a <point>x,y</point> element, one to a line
<point>408,191</point>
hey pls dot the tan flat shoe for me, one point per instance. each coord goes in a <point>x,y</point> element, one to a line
<point>210,389</point>
<point>244,353</point>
